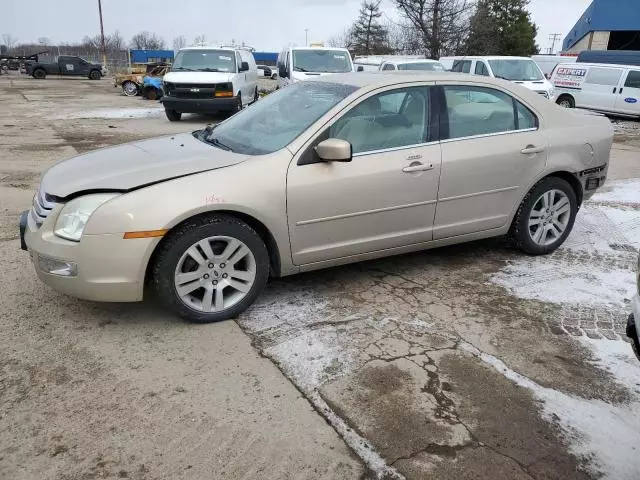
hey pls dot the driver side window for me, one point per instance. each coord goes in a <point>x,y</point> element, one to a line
<point>393,119</point>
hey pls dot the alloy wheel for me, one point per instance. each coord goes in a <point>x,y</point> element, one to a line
<point>549,217</point>
<point>215,273</point>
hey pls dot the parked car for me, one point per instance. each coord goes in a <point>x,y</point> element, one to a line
<point>152,88</point>
<point>633,331</point>
<point>209,80</point>
<point>302,63</point>
<point>68,66</point>
<point>372,63</point>
<point>617,57</point>
<point>407,64</point>
<point>597,86</point>
<point>270,191</point>
<point>266,71</point>
<point>132,83</point>
<point>521,70</point>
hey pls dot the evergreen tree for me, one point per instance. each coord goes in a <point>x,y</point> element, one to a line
<point>368,35</point>
<point>502,27</point>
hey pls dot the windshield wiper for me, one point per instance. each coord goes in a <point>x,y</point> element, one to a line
<point>183,68</point>
<point>300,69</point>
<point>503,78</point>
<point>219,144</point>
<point>207,70</point>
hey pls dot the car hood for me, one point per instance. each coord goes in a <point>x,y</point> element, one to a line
<point>136,164</point>
<point>198,77</point>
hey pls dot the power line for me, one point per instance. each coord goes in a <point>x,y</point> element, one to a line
<point>554,37</point>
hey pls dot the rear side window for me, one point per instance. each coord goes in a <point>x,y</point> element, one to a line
<point>462,66</point>
<point>633,79</point>
<point>481,69</point>
<point>604,76</point>
<point>388,66</point>
<point>483,111</point>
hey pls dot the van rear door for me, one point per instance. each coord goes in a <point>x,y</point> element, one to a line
<point>628,98</point>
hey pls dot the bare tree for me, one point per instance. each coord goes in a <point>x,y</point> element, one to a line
<point>147,41</point>
<point>201,39</point>
<point>341,40</point>
<point>442,24</point>
<point>44,41</point>
<point>9,40</point>
<point>404,38</point>
<point>179,42</point>
<point>115,41</point>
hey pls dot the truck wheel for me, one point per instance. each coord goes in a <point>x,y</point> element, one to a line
<point>129,88</point>
<point>172,115</point>
<point>256,96</point>
<point>95,75</point>
<point>40,74</point>
<point>566,101</point>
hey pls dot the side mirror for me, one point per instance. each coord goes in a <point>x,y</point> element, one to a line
<point>360,68</point>
<point>282,71</point>
<point>334,150</point>
<point>244,66</point>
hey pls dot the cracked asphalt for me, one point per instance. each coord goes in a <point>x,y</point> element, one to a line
<point>467,362</point>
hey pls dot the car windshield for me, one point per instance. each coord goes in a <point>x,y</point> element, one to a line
<point>278,119</point>
<point>205,61</point>
<point>517,70</point>
<point>321,61</point>
<point>427,66</point>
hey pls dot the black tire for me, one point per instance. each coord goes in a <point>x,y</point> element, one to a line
<point>256,96</point>
<point>150,93</point>
<point>39,74</point>
<point>172,115</point>
<point>130,89</point>
<point>174,246</point>
<point>566,101</point>
<point>95,75</point>
<point>520,232</point>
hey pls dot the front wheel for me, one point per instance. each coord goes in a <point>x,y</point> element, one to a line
<point>40,74</point>
<point>172,115</point>
<point>130,89</point>
<point>95,75</point>
<point>211,269</point>
<point>566,101</point>
<point>545,217</point>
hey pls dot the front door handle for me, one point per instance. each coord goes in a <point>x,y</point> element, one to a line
<point>531,149</point>
<point>417,167</point>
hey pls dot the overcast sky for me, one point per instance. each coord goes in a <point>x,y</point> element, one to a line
<point>265,24</point>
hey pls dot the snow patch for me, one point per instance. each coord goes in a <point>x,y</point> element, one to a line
<point>619,192</point>
<point>606,435</point>
<point>114,113</point>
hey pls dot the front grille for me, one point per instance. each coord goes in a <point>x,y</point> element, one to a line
<point>195,95</point>
<point>41,208</point>
<point>195,90</point>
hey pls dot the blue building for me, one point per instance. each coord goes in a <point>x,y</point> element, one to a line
<point>150,56</point>
<point>606,25</point>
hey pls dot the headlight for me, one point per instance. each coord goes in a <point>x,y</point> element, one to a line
<point>552,93</point>
<point>75,215</point>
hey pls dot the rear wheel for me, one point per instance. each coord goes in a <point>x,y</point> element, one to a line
<point>545,217</point>
<point>95,75</point>
<point>130,89</point>
<point>172,115</point>
<point>151,93</point>
<point>40,74</point>
<point>566,101</point>
<point>211,269</point>
<point>256,96</point>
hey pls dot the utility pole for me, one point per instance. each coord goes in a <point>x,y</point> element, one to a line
<point>104,49</point>
<point>554,37</point>
<point>306,37</point>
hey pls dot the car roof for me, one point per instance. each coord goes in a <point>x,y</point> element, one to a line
<point>381,79</point>
<point>603,65</point>
<point>319,48</point>
<point>488,57</point>
<point>411,60</point>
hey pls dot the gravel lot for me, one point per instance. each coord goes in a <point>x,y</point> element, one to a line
<point>471,361</point>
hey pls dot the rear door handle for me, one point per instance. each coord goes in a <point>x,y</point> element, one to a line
<point>417,167</point>
<point>531,149</point>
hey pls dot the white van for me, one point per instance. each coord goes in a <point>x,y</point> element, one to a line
<point>208,79</point>
<point>520,70</point>
<point>412,64</point>
<point>372,63</point>
<point>599,86</point>
<point>548,63</point>
<point>301,63</point>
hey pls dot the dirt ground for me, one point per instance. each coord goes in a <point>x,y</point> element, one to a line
<point>468,362</point>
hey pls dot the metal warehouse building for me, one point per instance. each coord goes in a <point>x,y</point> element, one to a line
<point>606,25</point>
